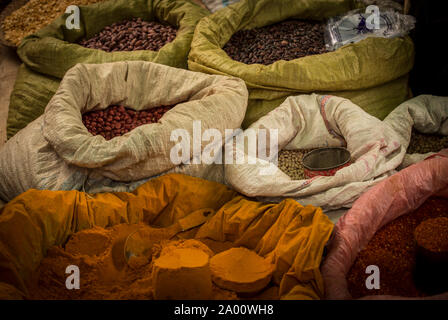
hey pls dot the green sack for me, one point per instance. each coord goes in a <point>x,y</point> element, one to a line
<point>31,94</point>
<point>53,50</point>
<point>372,73</point>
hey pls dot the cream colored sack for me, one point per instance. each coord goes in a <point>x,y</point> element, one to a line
<point>312,121</point>
<point>56,152</point>
<point>426,114</point>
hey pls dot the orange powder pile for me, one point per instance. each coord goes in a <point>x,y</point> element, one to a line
<point>105,274</point>
<point>432,234</point>
<point>240,270</point>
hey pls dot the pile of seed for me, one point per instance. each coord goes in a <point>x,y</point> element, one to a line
<point>287,40</point>
<point>424,143</point>
<point>290,162</point>
<point>35,15</point>
<point>117,120</point>
<point>392,249</point>
<point>130,35</point>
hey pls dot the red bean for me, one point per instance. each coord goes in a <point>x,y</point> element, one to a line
<point>118,120</point>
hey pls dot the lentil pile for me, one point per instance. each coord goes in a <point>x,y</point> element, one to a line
<point>130,35</point>
<point>116,120</point>
<point>393,250</point>
<point>287,40</point>
<point>35,15</point>
<point>290,162</point>
<point>424,143</point>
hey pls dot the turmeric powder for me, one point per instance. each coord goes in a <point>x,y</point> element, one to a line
<point>240,270</point>
<point>104,273</point>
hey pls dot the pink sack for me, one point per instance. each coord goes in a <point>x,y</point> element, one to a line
<point>401,193</point>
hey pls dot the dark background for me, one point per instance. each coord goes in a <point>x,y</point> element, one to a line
<point>430,73</point>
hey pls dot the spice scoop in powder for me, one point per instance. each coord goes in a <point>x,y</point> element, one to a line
<point>139,244</point>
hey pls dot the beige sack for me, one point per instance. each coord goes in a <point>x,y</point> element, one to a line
<point>312,121</point>
<point>56,151</point>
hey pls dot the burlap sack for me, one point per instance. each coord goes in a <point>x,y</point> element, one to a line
<point>378,148</point>
<point>50,52</point>
<point>398,195</point>
<point>56,151</point>
<point>371,73</point>
<point>313,121</point>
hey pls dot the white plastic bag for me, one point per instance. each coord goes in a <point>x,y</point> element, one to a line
<point>215,5</point>
<point>358,25</point>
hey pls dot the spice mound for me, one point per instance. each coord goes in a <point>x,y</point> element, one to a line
<point>91,242</point>
<point>178,269</point>
<point>432,234</point>
<point>131,35</point>
<point>103,272</point>
<point>116,120</point>
<point>240,270</point>
<point>287,40</point>
<point>182,273</point>
<point>431,238</point>
<point>394,251</point>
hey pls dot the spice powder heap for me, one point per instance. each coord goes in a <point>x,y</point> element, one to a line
<point>393,250</point>
<point>432,234</point>
<point>105,274</point>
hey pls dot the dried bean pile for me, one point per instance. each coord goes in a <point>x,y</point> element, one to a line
<point>117,120</point>
<point>287,40</point>
<point>130,35</point>
<point>290,162</point>
<point>35,15</point>
<point>424,143</point>
<point>392,249</point>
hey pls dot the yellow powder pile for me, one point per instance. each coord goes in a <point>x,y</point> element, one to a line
<point>181,274</point>
<point>35,15</point>
<point>104,274</point>
<point>240,270</point>
<point>178,269</point>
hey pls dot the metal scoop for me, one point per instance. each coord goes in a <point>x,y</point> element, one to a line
<point>139,244</point>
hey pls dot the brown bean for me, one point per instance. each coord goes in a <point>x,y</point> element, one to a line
<point>118,120</point>
<point>130,35</point>
<point>286,40</point>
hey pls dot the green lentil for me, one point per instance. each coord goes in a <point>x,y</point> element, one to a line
<point>424,143</point>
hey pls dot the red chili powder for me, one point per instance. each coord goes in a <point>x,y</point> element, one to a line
<point>392,249</point>
<point>432,234</point>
